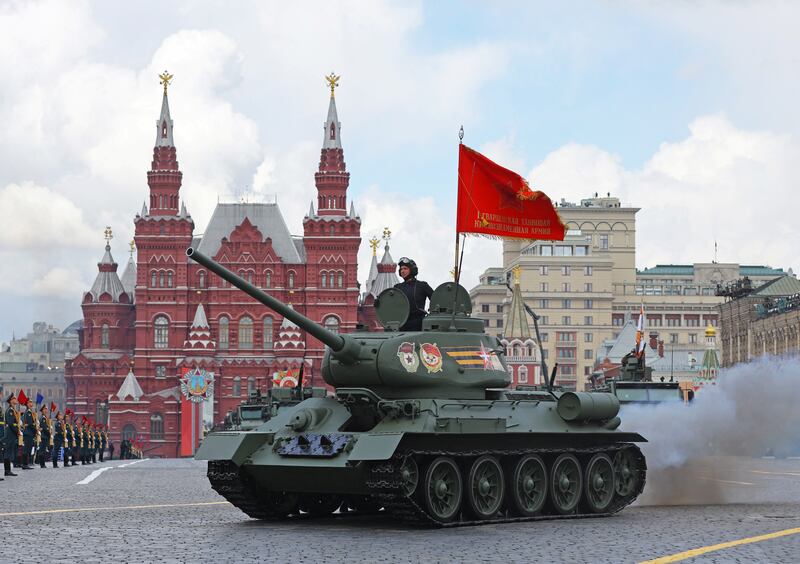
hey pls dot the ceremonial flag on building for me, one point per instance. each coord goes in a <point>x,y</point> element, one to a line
<point>497,202</point>
<point>640,342</point>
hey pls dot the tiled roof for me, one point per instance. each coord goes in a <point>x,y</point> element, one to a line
<point>782,286</point>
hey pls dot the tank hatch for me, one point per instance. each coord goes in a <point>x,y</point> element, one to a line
<point>391,307</point>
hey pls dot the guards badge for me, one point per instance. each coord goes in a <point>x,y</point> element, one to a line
<point>431,357</point>
<point>197,385</point>
<point>407,354</point>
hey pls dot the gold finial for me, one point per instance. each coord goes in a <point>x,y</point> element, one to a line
<point>453,273</point>
<point>132,246</point>
<point>374,244</point>
<point>108,235</point>
<point>517,272</point>
<point>387,234</point>
<point>333,81</point>
<point>166,78</point>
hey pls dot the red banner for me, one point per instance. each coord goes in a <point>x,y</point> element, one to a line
<point>495,201</point>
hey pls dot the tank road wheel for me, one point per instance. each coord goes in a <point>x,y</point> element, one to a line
<point>599,483</point>
<point>282,503</point>
<point>409,475</point>
<point>485,487</point>
<point>565,483</point>
<point>529,486</point>
<point>442,489</point>
<point>319,505</point>
<point>626,473</point>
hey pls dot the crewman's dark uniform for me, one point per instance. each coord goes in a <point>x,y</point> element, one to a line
<point>417,292</point>
<point>58,442</point>
<point>44,443</point>
<point>28,437</point>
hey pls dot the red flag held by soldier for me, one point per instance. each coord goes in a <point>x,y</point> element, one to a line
<point>497,202</point>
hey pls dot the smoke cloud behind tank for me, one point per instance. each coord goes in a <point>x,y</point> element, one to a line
<point>709,451</point>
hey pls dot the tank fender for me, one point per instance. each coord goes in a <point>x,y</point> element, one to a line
<point>236,446</point>
<point>375,446</point>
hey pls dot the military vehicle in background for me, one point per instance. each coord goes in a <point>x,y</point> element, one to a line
<point>422,425</point>
<point>260,407</point>
<point>635,385</point>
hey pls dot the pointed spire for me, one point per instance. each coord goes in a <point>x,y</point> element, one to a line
<point>332,139</point>
<point>352,210</point>
<point>164,123</point>
<point>144,209</point>
<point>311,209</point>
<point>517,326</point>
<point>129,276</point>
<point>199,333</point>
<point>200,321</point>
<point>130,387</point>
<point>183,213</point>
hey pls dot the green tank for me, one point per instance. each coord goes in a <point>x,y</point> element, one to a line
<point>422,425</point>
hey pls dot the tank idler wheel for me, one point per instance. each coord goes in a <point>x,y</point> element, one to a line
<point>442,489</point>
<point>282,503</point>
<point>485,487</point>
<point>409,475</point>
<point>565,484</point>
<point>626,473</point>
<point>319,505</point>
<point>599,483</point>
<point>528,486</point>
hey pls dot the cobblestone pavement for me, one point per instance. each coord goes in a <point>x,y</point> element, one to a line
<point>165,511</point>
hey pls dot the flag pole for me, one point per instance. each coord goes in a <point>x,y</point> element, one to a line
<point>455,260</point>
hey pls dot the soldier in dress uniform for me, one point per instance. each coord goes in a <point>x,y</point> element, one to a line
<point>84,441</point>
<point>12,436</point>
<point>58,439</point>
<point>29,434</point>
<point>103,441</point>
<point>76,451</point>
<point>96,442</point>
<point>45,436</point>
<point>69,438</point>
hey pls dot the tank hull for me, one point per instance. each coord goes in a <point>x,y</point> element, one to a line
<point>326,452</point>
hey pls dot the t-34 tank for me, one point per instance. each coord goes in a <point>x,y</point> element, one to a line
<point>420,425</point>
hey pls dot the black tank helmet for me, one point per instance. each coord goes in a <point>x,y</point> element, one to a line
<point>405,261</point>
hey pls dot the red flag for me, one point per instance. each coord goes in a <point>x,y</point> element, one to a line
<point>495,201</point>
<point>53,407</point>
<point>22,398</point>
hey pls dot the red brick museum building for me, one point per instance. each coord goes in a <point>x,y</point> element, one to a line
<point>166,315</point>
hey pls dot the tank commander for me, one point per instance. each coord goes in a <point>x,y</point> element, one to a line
<point>416,291</point>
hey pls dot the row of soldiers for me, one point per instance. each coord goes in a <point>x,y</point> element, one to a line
<point>50,435</point>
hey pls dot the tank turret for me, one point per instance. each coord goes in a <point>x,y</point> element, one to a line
<point>450,357</point>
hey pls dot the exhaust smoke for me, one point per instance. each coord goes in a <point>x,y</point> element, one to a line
<point>704,452</point>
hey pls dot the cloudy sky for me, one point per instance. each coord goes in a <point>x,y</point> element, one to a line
<point>687,110</point>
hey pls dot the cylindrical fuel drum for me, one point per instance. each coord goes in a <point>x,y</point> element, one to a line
<point>587,406</point>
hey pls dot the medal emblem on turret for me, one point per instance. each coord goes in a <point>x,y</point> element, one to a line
<point>431,357</point>
<point>408,356</point>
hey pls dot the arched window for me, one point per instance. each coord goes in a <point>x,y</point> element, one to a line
<point>201,279</point>
<point>161,333</point>
<point>237,387</point>
<point>100,412</point>
<point>245,333</point>
<point>129,432</point>
<point>332,230</point>
<point>153,279</point>
<point>341,280</point>
<point>224,327</point>
<point>169,279</point>
<point>331,324</point>
<point>267,279</point>
<point>291,279</point>
<point>267,333</point>
<point>249,276</point>
<point>522,375</point>
<point>323,279</point>
<point>104,336</point>
<point>161,279</point>
<point>333,131</point>
<point>156,427</point>
<point>251,385</point>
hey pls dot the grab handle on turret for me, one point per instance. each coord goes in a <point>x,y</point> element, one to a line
<point>344,348</point>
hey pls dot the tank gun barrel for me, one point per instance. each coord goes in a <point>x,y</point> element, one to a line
<point>344,348</point>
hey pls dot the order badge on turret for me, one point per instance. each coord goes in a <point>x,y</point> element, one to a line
<point>431,357</point>
<point>407,354</point>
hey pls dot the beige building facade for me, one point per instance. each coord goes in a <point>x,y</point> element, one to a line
<point>586,287</point>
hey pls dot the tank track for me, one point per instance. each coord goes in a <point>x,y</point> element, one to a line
<point>227,481</point>
<point>385,485</point>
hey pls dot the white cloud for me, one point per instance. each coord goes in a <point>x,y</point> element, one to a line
<point>720,183</point>
<point>59,282</point>
<point>36,217</point>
